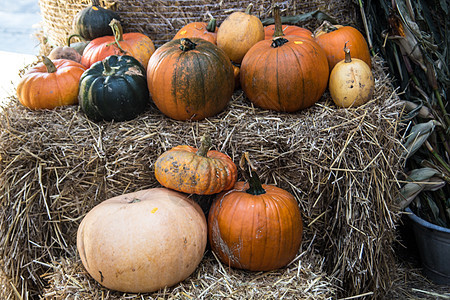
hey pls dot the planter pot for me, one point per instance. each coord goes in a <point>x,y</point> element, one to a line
<point>433,243</point>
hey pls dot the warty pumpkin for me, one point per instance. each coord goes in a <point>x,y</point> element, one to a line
<point>190,79</point>
<point>351,82</point>
<point>332,37</point>
<point>238,33</point>
<point>93,21</point>
<point>114,89</point>
<point>203,30</point>
<point>294,74</point>
<point>196,171</point>
<point>255,226</point>
<point>50,84</point>
<point>134,44</point>
<point>142,241</point>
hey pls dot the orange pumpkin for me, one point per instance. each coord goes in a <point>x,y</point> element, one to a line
<point>287,30</point>
<point>238,33</point>
<point>332,37</point>
<point>206,31</point>
<point>190,79</point>
<point>134,44</point>
<point>142,241</point>
<point>255,226</point>
<point>196,171</point>
<point>50,84</point>
<point>294,74</point>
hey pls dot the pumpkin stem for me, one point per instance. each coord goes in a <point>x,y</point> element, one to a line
<point>187,44</point>
<point>205,146</point>
<point>327,27</point>
<point>107,70</point>
<point>248,11</point>
<point>255,186</point>
<point>49,64</point>
<point>348,57</point>
<point>118,33</point>
<point>277,18</point>
<point>211,27</point>
<point>72,36</point>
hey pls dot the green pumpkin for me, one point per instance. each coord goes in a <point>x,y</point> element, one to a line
<point>114,89</point>
<point>93,21</point>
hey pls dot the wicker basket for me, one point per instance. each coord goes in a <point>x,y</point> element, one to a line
<point>159,19</point>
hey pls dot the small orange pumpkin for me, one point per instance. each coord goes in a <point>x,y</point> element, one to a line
<point>196,171</point>
<point>332,37</point>
<point>134,44</point>
<point>206,31</point>
<point>50,84</point>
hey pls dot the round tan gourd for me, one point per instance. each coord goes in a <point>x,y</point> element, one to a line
<point>142,241</point>
<point>351,82</point>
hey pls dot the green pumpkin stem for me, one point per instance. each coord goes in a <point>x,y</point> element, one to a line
<point>118,33</point>
<point>49,64</point>
<point>249,8</point>
<point>69,39</point>
<point>250,175</point>
<point>211,27</point>
<point>205,145</point>
<point>348,57</point>
<point>277,18</point>
<point>186,44</point>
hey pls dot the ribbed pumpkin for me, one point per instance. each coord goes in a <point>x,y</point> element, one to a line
<point>142,241</point>
<point>190,79</point>
<point>196,171</point>
<point>288,30</point>
<point>114,89</point>
<point>332,37</point>
<point>134,44</point>
<point>93,21</point>
<point>255,226</point>
<point>238,33</point>
<point>206,31</point>
<point>50,84</point>
<point>294,74</point>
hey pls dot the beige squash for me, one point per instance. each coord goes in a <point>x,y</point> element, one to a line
<point>142,241</point>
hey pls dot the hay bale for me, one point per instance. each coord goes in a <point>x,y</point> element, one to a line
<point>340,164</point>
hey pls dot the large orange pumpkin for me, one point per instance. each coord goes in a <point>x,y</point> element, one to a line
<point>142,241</point>
<point>190,79</point>
<point>332,37</point>
<point>238,33</point>
<point>50,84</point>
<point>255,226</point>
<point>134,44</point>
<point>196,171</point>
<point>294,74</point>
<point>287,30</point>
<point>206,31</point>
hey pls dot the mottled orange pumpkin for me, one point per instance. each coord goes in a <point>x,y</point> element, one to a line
<point>287,30</point>
<point>196,171</point>
<point>238,33</point>
<point>134,44</point>
<point>50,84</point>
<point>190,79</point>
<point>255,226</point>
<point>203,30</point>
<point>332,37</point>
<point>294,74</point>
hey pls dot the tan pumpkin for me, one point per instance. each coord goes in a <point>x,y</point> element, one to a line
<point>351,82</point>
<point>238,33</point>
<point>142,241</point>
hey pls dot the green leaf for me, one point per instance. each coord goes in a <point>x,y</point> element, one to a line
<point>418,135</point>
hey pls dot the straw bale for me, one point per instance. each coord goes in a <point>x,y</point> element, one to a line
<point>340,164</point>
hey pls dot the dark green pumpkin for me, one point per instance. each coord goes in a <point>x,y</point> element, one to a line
<point>93,21</point>
<point>114,89</point>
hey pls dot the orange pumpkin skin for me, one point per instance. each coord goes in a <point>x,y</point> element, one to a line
<point>183,169</point>
<point>197,30</point>
<point>255,232</point>
<point>288,30</point>
<point>190,84</point>
<point>294,75</point>
<point>142,241</point>
<point>40,89</point>
<point>331,42</point>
